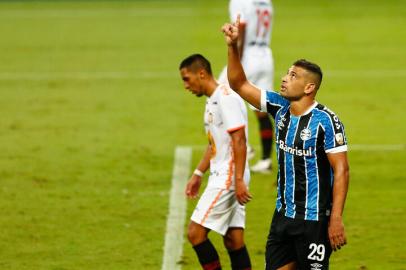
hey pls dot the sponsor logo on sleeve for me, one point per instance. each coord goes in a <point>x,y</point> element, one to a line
<point>339,138</point>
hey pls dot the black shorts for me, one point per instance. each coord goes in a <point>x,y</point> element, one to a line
<point>294,240</point>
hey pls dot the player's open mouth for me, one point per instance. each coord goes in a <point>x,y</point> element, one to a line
<point>283,88</point>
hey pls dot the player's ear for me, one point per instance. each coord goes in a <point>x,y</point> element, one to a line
<point>310,88</point>
<point>202,74</point>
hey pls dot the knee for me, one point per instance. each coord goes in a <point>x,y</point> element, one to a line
<point>229,243</point>
<point>195,235</point>
<point>191,236</point>
<point>234,239</point>
<point>232,243</point>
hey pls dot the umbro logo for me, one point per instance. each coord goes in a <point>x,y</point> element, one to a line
<point>316,266</point>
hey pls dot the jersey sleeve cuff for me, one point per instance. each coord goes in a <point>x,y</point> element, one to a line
<point>343,148</point>
<point>263,101</point>
<point>230,130</point>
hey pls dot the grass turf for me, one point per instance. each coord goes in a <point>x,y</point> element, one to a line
<point>92,107</point>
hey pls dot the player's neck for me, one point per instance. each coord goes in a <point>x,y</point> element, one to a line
<point>300,107</point>
<point>211,87</point>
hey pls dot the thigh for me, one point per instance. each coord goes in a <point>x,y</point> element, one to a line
<point>237,218</point>
<point>280,249</point>
<point>313,248</point>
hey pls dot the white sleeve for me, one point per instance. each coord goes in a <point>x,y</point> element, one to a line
<point>263,101</point>
<point>232,113</point>
<point>338,149</point>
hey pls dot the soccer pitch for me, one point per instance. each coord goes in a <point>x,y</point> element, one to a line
<point>92,108</point>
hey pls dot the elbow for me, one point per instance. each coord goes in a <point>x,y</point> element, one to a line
<point>345,173</point>
<point>243,142</point>
<point>342,173</point>
<point>346,169</point>
<point>240,143</point>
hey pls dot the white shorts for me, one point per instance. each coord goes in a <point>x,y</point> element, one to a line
<point>218,210</point>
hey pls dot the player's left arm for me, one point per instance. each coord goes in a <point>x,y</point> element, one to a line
<point>336,233</point>
<point>239,145</point>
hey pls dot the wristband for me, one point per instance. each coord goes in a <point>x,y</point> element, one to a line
<point>198,173</point>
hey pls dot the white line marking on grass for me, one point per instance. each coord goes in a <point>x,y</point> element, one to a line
<point>377,147</point>
<point>177,209</point>
<point>96,12</point>
<point>84,75</point>
<point>372,73</point>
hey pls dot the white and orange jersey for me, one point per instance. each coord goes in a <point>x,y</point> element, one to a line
<point>257,15</point>
<point>225,112</point>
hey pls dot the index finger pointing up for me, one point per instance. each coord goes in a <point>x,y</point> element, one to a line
<point>237,22</point>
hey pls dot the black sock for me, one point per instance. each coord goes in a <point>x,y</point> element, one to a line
<point>207,254</point>
<point>266,131</point>
<point>240,260</point>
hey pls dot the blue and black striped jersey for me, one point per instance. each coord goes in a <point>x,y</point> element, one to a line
<point>305,177</point>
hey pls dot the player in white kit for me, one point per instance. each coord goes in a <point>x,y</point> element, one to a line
<point>221,206</point>
<point>255,33</point>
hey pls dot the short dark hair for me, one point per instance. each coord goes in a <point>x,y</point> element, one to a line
<point>196,61</point>
<point>312,68</point>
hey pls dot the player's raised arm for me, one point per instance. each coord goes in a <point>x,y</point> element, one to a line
<point>235,72</point>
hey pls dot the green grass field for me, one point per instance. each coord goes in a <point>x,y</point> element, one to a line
<point>92,108</point>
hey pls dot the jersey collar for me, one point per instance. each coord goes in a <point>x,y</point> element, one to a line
<point>315,103</point>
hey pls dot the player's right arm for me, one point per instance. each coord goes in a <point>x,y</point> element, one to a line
<point>241,39</point>
<point>235,72</point>
<point>195,181</point>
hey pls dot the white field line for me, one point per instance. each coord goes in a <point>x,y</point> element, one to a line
<point>95,12</point>
<point>351,147</point>
<point>375,73</point>
<point>177,209</point>
<point>83,75</point>
<point>120,75</point>
<point>377,147</point>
